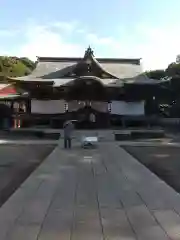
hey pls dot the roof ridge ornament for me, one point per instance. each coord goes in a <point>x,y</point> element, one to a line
<point>88,52</point>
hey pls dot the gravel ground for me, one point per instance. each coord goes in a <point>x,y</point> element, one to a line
<point>16,164</point>
<point>163,161</point>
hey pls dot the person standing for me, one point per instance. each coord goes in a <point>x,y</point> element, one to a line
<point>68,129</point>
<point>92,119</point>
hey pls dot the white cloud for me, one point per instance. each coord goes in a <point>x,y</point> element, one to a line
<point>66,27</point>
<point>95,39</point>
<point>157,46</point>
<point>43,41</point>
<point>7,32</point>
<point>81,31</point>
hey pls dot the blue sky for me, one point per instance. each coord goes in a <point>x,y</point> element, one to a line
<point>116,28</point>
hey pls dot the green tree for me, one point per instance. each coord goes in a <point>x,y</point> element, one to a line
<point>6,64</point>
<point>28,63</point>
<point>15,67</point>
<point>156,74</point>
<point>173,69</point>
<point>178,58</point>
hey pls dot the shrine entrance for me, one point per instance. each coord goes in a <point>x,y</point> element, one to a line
<point>91,118</point>
<point>6,114</point>
<point>89,115</point>
<point>90,108</point>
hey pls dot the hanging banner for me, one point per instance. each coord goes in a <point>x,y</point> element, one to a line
<point>127,108</point>
<point>47,106</point>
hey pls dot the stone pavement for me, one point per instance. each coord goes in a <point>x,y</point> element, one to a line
<point>28,142</point>
<point>93,194</point>
<point>77,142</point>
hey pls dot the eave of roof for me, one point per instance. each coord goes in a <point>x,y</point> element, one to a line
<point>13,96</point>
<point>141,79</point>
<point>101,60</point>
<point>29,79</point>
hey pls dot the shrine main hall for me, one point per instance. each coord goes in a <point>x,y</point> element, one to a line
<point>62,88</point>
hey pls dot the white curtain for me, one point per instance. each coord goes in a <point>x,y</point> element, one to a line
<point>47,106</point>
<point>127,108</point>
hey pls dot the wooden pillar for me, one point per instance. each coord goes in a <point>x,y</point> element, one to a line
<point>12,105</point>
<point>15,114</point>
<point>17,120</point>
<point>109,113</point>
<point>28,109</point>
<point>123,122</point>
<point>12,116</point>
<point>28,105</point>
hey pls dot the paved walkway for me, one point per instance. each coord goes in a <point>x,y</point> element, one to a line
<point>28,142</point>
<point>78,141</point>
<point>91,195</point>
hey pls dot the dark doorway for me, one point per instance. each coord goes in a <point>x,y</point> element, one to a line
<point>89,118</point>
<point>5,116</point>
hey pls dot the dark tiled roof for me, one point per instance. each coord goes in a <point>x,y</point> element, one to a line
<point>50,68</point>
<point>109,82</point>
<point>136,61</point>
<point>65,81</point>
<point>141,79</point>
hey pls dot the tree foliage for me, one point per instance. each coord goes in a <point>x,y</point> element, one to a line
<point>28,63</point>
<point>173,69</point>
<point>178,58</point>
<point>156,74</point>
<point>15,67</point>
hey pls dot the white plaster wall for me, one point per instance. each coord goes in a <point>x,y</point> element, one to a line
<point>127,108</point>
<point>47,106</point>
